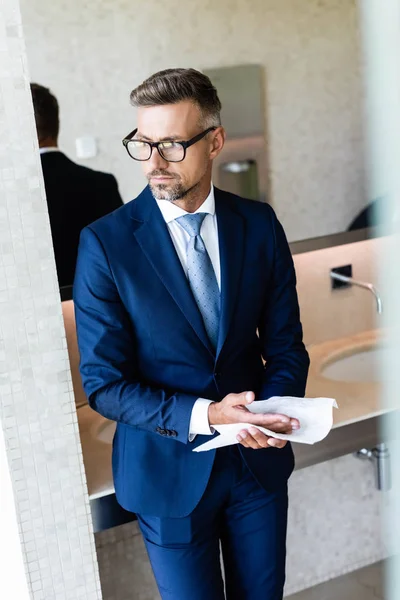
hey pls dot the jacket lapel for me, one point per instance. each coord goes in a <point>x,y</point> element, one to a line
<point>153,236</point>
<point>231,250</point>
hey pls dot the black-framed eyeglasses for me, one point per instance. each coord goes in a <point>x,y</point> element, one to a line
<point>170,151</point>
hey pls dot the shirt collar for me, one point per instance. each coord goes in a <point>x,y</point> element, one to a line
<point>47,149</point>
<point>170,211</point>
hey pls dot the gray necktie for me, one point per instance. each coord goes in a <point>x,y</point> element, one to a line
<point>201,275</point>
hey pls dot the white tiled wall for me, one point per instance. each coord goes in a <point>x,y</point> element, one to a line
<point>37,410</point>
<point>13,581</point>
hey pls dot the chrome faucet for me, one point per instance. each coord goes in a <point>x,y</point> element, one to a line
<point>362,284</point>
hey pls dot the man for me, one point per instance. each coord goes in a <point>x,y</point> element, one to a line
<point>179,295</point>
<point>76,195</point>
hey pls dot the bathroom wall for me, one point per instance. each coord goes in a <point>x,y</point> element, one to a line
<point>92,54</point>
<point>37,411</point>
<point>325,313</point>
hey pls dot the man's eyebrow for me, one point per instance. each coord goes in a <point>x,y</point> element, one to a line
<point>169,138</point>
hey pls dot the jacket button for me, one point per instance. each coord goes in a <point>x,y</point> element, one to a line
<point>173,433</point>
<point>217,375</point>
<point>161,431</point>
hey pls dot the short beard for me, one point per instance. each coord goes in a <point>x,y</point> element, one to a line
<point>173,192</point>
<point>170,193</point>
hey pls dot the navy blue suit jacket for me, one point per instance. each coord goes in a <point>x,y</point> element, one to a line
<point>145,355</point>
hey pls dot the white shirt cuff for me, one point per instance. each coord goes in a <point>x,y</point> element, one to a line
<point>199,424</point>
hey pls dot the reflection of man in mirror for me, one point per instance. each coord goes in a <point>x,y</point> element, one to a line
<point>179,296</point>
<point>76,195</point>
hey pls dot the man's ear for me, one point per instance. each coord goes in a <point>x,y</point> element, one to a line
<point>218,141</point>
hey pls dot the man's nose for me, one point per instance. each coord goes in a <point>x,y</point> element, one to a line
<point>156,161</point>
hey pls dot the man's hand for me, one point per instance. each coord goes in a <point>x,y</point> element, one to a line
<point>232,409</point>
<point>256,439</point>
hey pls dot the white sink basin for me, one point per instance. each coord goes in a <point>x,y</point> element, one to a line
<point>362,366</point>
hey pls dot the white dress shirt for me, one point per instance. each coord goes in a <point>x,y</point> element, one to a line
<point>209,232</point>
<point>48,149</point>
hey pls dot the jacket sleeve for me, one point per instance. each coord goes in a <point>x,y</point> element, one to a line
<point>108,359</point>
<point>280,330</point>
<point>108,198</point>
<point>115,197</point>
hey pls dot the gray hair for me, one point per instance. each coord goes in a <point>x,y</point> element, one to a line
<point>176,85</point>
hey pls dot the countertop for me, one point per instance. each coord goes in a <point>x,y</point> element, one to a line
<point>96,453</point>
<point>357,401</point>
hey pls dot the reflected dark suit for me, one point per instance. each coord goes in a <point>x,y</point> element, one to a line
<point>76,196</point>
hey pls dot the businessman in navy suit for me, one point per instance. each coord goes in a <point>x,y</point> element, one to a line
<point>187,312</point>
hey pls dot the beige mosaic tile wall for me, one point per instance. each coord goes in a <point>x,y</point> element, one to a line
<point>37,410</point>
<point>93,53</point>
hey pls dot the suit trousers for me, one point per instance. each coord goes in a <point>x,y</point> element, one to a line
<point>235,515</point>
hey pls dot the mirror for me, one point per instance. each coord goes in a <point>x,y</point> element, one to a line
<point>242,167</point>
<point>240,177</point>
<point>293,99</point>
